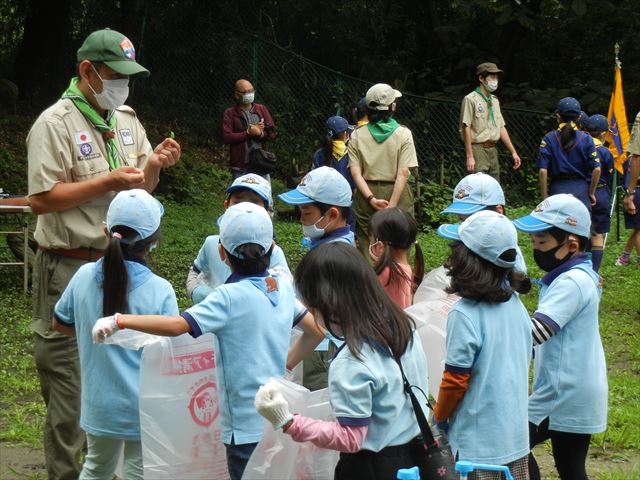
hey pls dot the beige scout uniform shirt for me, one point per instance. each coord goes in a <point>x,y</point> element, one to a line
<point>381,161</point>
<point>475,114</point>
<point>634,140</point>
<point>63,146</point>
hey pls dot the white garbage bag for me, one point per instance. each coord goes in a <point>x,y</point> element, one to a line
<point>430,311</point>
<point>278,456</point>
<point>179,414</point>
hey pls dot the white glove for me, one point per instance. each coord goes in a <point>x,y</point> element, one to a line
<point>104,327</point>
<point>272,405</point>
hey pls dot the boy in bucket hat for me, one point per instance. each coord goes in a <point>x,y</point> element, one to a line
<point>569,364</point>
<point>482,124</point>
<point>81,151</point>
<point>251,315</point>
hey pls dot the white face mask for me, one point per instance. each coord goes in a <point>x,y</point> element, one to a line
<point>114,92</point>
<point>312,231</point>
<point>247,98</point>
<point>492,85</point>
<point>373,255</point>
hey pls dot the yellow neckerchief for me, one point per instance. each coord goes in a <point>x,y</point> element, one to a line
<point>361,122</point>
<point>597,142</point>
<point>575,127</point>
<point>338,149</point>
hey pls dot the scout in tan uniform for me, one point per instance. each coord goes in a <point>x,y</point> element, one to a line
<point>380,156</point>
<point>81,151</point>
<point>632,197</point>
<point>482,125</point>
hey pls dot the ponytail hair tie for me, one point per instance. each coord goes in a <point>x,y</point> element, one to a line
<point>117,235</point>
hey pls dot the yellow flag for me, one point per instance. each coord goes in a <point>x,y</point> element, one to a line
<point>618,134</point>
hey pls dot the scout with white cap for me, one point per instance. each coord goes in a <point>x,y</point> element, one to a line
<point>137,210</point>
<point>245,223</point>
<point>381,96</point>
<point>322,185</point>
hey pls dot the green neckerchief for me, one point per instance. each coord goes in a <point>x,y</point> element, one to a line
<point>489,103</point>
<point>380,131</point>
<point>105,127</point>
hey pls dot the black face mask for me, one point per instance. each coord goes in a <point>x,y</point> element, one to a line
<point>547,261</point>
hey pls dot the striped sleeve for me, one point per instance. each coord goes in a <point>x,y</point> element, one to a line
<point>543,328</point>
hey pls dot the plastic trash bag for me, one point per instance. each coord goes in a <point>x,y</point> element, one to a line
<point>296,374</point>
<point>179,414</point>
<point>132,339</point>
<point>430,311</point>
<point>432,285</point>
<point>278,456</point>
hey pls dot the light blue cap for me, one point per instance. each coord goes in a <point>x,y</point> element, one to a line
<point>323,185</point>
<point>244,223</point>
<point>487,234</point>
<point>563,211</point>
<point>255,183</point>
<point>475,192</point>
<point>137,210</point>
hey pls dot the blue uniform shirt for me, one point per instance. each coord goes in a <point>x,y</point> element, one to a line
<point>341,166</point>
<point>110,374</point>
<point>570,374</point>
<point>491,342</point>
<point>370,392</point>
<point>606,163</point>
<point>216,271</point>
<point>251,318</point>
<point>579,161</point>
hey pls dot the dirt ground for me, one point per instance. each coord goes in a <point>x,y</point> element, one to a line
<point>19,463</point>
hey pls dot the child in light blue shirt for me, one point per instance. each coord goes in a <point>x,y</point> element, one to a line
<point>568,401</point>
<point>251,315</point>
<point>120,281</point>
<point>376,429</point>
<point>208,270</point>
<point>483,393</point>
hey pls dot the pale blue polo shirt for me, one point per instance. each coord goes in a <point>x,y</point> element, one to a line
<point>209,262</point>
<point>251,318</point>
<point>491,342</point>
<point>570,373</point>
<point>370,392</point>
<point>110,374</point>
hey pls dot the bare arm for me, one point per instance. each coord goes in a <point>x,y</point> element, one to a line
<point>504,136</point>
<point>164,325</point>
<point>595,176</point>
<point>67,330</point>
<point>634,171</point>
<point>64,196</point>
<point>543,183</point>
<point>365,191</point>
<point>399,186</point>
<point>311,337</point>
<point>466,136</point>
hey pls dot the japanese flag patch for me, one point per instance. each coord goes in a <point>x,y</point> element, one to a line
<point>82,137</point>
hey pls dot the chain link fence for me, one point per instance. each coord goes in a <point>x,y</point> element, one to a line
<point>194,67</point>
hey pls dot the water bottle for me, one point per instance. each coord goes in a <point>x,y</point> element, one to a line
<point>412,473</point>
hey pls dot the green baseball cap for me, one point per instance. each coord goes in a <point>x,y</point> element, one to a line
<point>114,50</point>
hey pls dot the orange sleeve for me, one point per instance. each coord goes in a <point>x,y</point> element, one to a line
<point>452,388</point>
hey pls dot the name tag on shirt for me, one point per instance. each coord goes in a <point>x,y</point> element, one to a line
<point>125,135</point>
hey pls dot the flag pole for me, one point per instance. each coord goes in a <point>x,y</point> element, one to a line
<point>614,187</point>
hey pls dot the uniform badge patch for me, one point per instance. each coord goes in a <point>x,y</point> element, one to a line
<point>543,144</point>
<point>571,221</point>
<point>460,194</point>
<point>82,137</point>
<point>125,135</point>
<point>127,48</point>
<point>480,107</point>
<point>85,149</point>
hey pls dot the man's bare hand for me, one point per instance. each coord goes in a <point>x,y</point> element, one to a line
<point>166,154</point>
<point>629,204</point>
<point>471,164</point>
<point>516,161</point>
<point>125,178</point>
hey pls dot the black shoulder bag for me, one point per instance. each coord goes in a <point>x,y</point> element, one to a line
<point>431,451</point>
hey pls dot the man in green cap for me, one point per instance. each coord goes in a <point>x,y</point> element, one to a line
<point>81,151</point>
<point>482,125</point>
